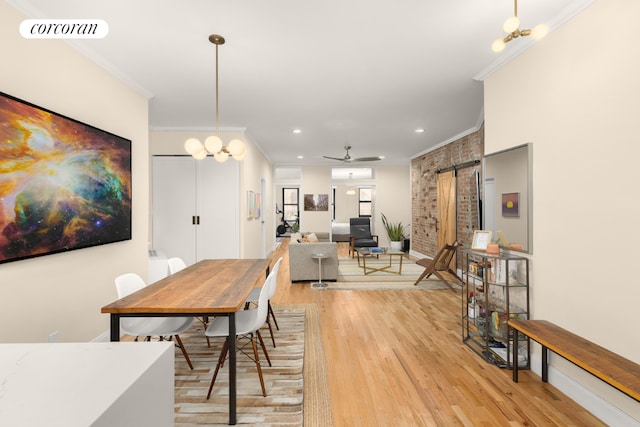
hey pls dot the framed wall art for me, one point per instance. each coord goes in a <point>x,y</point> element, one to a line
<point>316,202</point>
<point>64,184</point>
<point>511,205</point>
<point>251,204</point>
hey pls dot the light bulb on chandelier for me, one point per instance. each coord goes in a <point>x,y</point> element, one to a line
<point>512,28</point>
<point>213,144</point>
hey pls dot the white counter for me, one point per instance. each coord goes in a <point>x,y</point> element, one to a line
<point>87,384</point>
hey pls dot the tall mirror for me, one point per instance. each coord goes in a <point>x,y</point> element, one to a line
<point>507,197</point>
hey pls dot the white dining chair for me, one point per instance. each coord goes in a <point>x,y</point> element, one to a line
<point>162,327</point>
<point>255,295</point>
<point>248,323</point>
<point>175,265</point>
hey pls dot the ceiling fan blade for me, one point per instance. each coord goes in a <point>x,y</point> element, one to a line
<point>341,159</point>
<point>367,159</point>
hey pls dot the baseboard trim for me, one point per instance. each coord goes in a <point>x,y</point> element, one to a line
<point>601,408</point>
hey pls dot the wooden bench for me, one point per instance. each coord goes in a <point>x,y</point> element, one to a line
<point>610,367</point>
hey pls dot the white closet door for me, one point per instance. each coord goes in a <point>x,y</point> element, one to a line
<point>174,206</point>
<point>218,205</point>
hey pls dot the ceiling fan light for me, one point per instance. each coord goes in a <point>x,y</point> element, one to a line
<point>235,147</point>
<point>213,144</point>
<point>498,45</point>
<point>192,146</point>
<point>539,31</point>
<point>511,24</point>
<point>221,156</point>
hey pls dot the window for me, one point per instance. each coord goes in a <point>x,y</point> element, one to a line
<point>291,207</point>
<point>365,202</point>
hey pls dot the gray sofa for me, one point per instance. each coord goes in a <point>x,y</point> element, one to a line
<point>302,267</point>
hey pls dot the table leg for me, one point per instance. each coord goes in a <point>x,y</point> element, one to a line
<point>115,327</point>
<point>319,283</point>
<point>232,368</point>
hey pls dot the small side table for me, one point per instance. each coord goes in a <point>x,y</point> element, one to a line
<point>319,283</point>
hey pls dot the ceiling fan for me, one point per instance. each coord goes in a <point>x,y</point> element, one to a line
<point>347,157</point>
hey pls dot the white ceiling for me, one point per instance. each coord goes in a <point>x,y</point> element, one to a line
<point>367,73</point>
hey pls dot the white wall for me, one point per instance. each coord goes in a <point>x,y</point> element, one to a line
<point>253,168</point>
<point>64,292</point>
<point>575,96</point>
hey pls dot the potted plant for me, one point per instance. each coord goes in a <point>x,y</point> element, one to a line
<point>395,231</point>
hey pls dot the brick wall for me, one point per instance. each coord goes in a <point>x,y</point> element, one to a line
<point>424,207</point>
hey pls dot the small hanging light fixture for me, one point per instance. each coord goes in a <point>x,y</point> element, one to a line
<point>213,144</point>
<point>512,28</point>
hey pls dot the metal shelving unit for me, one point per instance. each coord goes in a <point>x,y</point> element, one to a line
<point>496,289</point>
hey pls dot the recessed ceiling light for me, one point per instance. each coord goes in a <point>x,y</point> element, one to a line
<point>297,131</point>
<point>301,157</point>
<point>420,130</point>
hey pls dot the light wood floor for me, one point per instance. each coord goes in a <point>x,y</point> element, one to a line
<point>395,358</point>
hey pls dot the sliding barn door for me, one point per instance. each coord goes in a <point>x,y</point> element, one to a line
<point>446,196</point>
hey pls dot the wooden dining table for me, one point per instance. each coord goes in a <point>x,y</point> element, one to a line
<point>207,288</point>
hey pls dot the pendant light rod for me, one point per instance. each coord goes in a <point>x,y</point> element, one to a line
<point>217,40</point>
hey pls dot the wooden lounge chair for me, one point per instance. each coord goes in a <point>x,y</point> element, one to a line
<point>439,264</point>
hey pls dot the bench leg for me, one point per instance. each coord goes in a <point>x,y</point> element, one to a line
<point>514,355</point>
<point>545,364</point>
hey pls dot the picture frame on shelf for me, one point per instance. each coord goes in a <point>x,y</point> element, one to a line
<point>481,239</point>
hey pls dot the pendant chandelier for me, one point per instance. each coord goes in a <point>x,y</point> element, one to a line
<point>213,144</point>
<point>512,27</point>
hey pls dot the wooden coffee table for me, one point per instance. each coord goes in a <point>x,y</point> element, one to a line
<point>367,253</point>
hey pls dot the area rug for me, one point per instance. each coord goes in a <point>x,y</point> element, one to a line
<point>352,277</point>
<point>284,380</point>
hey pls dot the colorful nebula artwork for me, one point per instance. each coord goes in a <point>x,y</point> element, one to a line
<point>64,185</point>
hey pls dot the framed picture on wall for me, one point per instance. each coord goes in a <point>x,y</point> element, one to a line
<point>66,185</point>
<point>511,204</point>
<point>481,239</point>
<point>251,204</point>
<point>258,208</point>
<point>316,202</point>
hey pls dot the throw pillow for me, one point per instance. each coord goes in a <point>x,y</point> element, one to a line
<point>312,237</point>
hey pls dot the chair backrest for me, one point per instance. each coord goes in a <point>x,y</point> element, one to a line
<point>274,282</point>
<point>128,283</point>
<point>360,228</point>
<point>443,258</point>
<point>175,265</point>
<point>263,304</point>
